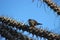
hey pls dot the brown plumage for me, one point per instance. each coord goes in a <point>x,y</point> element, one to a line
<point>33,22</point>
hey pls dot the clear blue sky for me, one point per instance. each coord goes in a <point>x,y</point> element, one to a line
<point>22,10</point>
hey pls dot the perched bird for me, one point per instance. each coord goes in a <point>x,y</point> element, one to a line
<point>33,22</point>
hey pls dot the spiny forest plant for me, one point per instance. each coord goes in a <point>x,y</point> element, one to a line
<point>11,34</point>
<point>38,32</point>
<point>53,6</point>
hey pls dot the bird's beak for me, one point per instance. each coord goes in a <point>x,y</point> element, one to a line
<point>39,23</point>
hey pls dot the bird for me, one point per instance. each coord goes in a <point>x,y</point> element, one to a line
<point>33,23</point>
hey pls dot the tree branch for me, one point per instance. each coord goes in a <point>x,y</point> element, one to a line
<point>53,6</point>
<point>33,30</point>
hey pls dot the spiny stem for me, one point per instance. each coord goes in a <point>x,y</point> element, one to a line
<point>10,34</point>
<point>52,6</point>
<point>33,30</point>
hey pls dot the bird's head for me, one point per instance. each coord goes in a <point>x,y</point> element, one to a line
<point>29,19</point>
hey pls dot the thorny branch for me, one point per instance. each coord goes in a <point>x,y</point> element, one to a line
<point>52,6</point>
<point>11,34</point>
<point>33,30</point>
<point>8,33</point>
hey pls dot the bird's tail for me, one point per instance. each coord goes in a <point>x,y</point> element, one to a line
<point>39,23</point>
